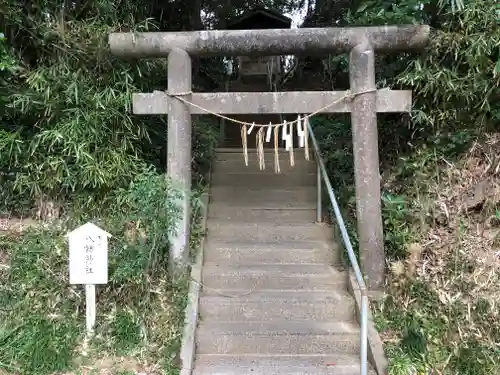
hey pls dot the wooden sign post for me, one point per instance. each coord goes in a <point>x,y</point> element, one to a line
<point>88,264</point>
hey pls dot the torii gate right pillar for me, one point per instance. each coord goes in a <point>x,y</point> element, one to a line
<point>366,164</point>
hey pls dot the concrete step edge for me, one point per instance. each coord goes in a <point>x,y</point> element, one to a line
<point>256,189</point>
<point>331,370</point>
<point>269,370</point>
<point>224,245</point>
<point>269,358</point>
<point>235,293</point>
<point>276,269</point>
<point>312,245</point>
<point>245,264</point>
<point>238,169</point>
<point>335,296</point>
<point>278,328</point>
<point>266,172</point>
<point>276,309</point>
<point>280,268</point>
<point>220,206</point>
<point>214,221</point>
<point>273,361</point>
<point>264,248</point>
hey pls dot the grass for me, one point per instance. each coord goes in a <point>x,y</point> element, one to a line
<point>43,317</point>
<point>139,312</point>
<point>440,315</point>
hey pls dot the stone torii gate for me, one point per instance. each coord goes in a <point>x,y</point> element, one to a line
<point>365,102</point>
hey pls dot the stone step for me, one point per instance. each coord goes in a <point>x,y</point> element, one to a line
<point>295,252</point>
<point>260,180</point>
<point>335,306</point>
<point>224,212</point>
<point>238,165</point>
<point>234,280</point>
<point>267,233</point>
<point>291,337</point>
<point>298,198</point>
<point>329,364</point>
<point>276,269</point>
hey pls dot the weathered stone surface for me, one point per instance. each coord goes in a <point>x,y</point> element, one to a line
<point>267,233</point>
<point>233,281</point>
<point>179,147</point>
<point>278,338</point>
<point>298,102</point>
<point>268,42</point>
<point>242,214</point>
<point>254,180</point>
<point>221,253</point>
<point>333,364</point>
<point>238,165</point>
<point>297,198</point>
<point>366,165</point>
<point>333,306</point>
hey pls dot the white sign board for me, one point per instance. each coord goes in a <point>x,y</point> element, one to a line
<point>88,255</point>
<point>88,264</point>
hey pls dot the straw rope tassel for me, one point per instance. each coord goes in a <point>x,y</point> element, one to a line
<point>276,154</point>
<point>260,149</point>
<point>305,124</point>
<point>290,137</point>
<point>244,143</point>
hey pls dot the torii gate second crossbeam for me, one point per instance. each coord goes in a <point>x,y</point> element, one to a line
<point>364,104</point>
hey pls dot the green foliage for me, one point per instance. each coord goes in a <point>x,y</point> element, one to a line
<point>205,140</point>
<point>69,128</point>
<point>388,12</point>
<point>397,226</point>
<point>456,82</point>
<point>153,209</point>
<point>7,61</point>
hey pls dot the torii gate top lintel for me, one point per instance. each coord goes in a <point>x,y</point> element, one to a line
<point>269,41</point>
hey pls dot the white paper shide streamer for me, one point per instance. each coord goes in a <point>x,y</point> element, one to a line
<point>300,131</point>
<point>265,135</point>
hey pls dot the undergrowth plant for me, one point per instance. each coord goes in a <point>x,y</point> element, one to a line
<point>70,132</point>
<point>140,310</point>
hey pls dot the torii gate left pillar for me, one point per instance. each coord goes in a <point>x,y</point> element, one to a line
<point>179,148</point>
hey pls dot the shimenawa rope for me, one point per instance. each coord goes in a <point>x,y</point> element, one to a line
<point>302,126</point>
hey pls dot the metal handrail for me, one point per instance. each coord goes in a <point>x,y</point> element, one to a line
<point>347,243</point>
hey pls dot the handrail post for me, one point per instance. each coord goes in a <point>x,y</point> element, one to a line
<point>319,208</point>
<point>364,332</point>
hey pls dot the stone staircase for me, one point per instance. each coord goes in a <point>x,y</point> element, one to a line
<point>271,302</point>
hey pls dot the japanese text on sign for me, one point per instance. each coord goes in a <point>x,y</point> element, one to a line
<point>88,256</point>
<point>89,248</point>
